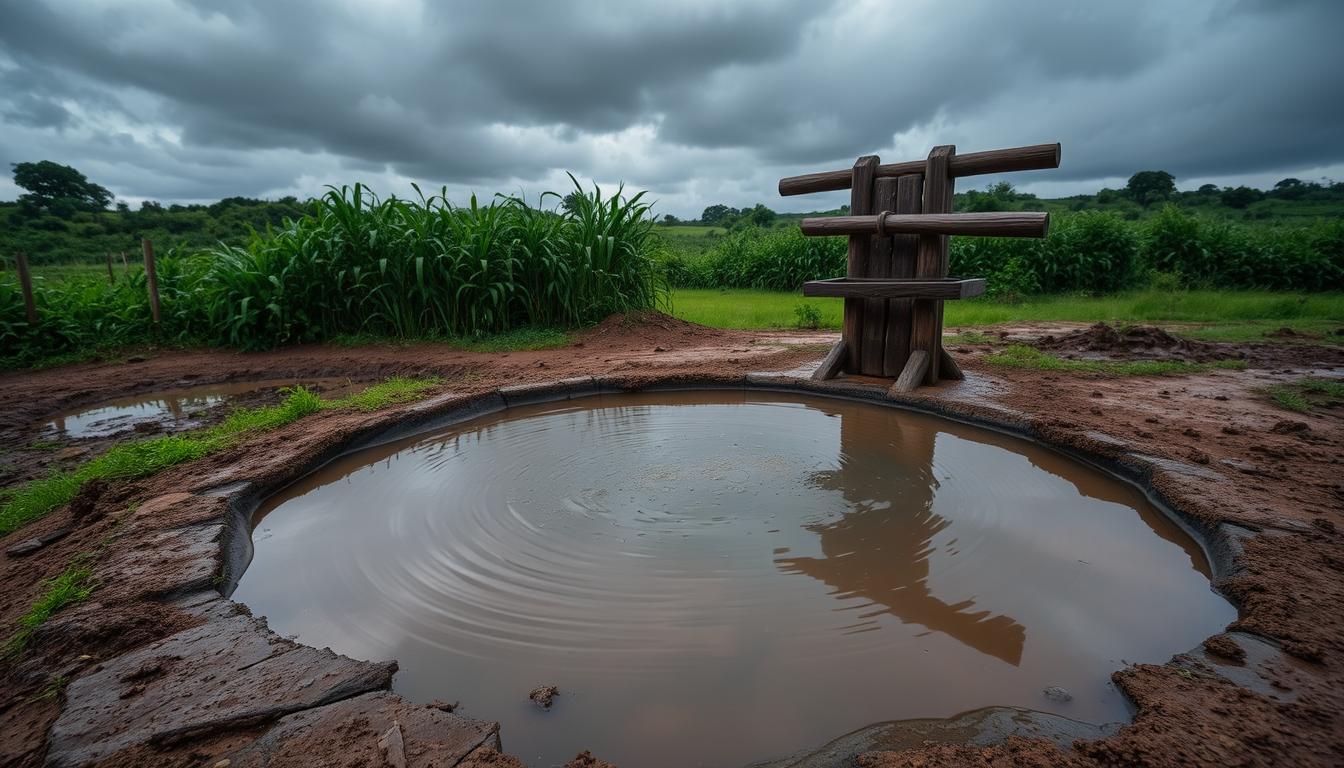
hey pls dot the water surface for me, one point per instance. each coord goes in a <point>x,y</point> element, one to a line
<point>715,578</point>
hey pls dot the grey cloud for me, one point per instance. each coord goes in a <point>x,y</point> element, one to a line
<point>199,100</point>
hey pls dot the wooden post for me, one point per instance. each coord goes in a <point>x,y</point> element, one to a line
<point>151,279</point>
<point>874,343</point>
<point>111,276</point>
<point>927,326</point>
<point>858,259</point>
<point>26,284</point>
<point>904,249</point>
<point>125,265</point>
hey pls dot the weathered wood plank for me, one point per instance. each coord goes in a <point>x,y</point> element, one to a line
<point>871,288</point>
<point>832,363</point>
<point>879,266</point>
<point>998,224</point>
<point>904,249</point>
<point>927,326</point>
<point>26,286</point>
<point>913,374</point>
<point>1035,157</point>
<point>860,251</point>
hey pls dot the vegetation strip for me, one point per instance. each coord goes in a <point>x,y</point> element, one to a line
<point>138,459</point>
<point>1022,356</point>
<point>1302,396</point>
<point>74,585</point>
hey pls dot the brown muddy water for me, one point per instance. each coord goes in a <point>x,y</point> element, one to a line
<point>169,410</point>
<point>715,578</point>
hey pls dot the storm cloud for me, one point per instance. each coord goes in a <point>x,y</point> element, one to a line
<point>697,102</point>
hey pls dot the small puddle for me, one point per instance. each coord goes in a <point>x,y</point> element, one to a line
<point>169,410</point>
<point>715,578</point>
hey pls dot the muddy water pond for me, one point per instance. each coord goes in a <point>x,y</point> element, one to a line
<point>715,578</point>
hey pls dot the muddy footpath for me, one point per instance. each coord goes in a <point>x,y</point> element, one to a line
<point>159,667</point>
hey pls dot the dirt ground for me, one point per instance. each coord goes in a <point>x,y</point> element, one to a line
<point>158,668</point>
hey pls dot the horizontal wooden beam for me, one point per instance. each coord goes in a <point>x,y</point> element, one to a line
<point>1001,224</point>
<point>896,288</point>
<point>1033,158</point>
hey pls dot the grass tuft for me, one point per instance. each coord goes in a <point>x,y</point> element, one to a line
<point>394,391</point>
<point>1304,395</point>
<point>72,586</point>
<point>1023,356</point>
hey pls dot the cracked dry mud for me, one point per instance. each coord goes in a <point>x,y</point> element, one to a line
<point>159,668</point>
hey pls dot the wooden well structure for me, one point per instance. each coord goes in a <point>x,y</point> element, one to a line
<point>896,277</point>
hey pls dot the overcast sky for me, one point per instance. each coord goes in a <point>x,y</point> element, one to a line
<point>697,102</point>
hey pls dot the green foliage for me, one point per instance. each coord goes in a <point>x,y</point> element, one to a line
<point>1022,356</point>
<point>58,189</point>
<point>1306,394</point>
<point>1147,187</point>
<point>809,316</point>
<point>391,392</point>
<point>74,585</point>
<point>767,259</point>
<point>361,265</point>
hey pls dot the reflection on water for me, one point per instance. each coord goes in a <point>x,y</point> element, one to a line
<point>715,578</point>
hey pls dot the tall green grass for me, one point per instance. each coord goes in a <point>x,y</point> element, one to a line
<point>364,265</point>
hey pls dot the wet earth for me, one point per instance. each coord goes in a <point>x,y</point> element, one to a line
<point>157,667</point>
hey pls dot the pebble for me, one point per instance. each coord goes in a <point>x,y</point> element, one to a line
<point>1055,693</point>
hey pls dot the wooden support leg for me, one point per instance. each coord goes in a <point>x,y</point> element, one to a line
<point>913,375</point>
<point>947,367</point>
<point>926,332</point>
<point>831,363</point>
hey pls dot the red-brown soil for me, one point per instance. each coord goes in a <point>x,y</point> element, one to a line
<point>158,668</point>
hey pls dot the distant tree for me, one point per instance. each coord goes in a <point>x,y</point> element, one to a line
<point>1108,195</point>
<point>996,197</point>
<point>151,205</point>
<point>122,207</point>
<point>761,216</point>
<point>1147,187</point>
<point>58,188</point>
<point>1208,189</point>
<point>670,219</point>
<point>1290,189</point>
<point>715,214</point>
<point>1240,197</point>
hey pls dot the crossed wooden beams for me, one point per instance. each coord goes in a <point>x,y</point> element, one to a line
<point>896,273</point>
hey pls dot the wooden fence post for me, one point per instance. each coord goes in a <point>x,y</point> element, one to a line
<point>859,257</point>
<point>111,276</point>
<point>125,265</point>
<point>151,279</point>
<point>26,283</point>
<point>874,344</point>
<point>927,326</point>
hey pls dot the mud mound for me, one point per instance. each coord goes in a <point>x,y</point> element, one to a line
<point>1147,342</point>
<point>650,323</point>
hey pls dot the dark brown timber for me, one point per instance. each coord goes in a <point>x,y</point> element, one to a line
<point>1037,157</point>
<point>926,329</point>
<point>111,276</point>
<point>904,249</point>
<point>832,363</point>
<point>151,279</point>
<point>858,259</point>
<point>913,374</point>
<point>26,285</point>
<point>946,288</point>
<point>874,344</point>
<point>1004,224</point>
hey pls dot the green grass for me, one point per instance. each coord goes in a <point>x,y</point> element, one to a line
<point>1306,394</point>
<point>391,392</point>
<point>72,586</point>
<point>1022,356</point>
<point>36,498</point>
<point>689,230</point>
<point>1252,313</point>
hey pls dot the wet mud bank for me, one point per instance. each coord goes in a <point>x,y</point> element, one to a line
<point>160,667</point>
